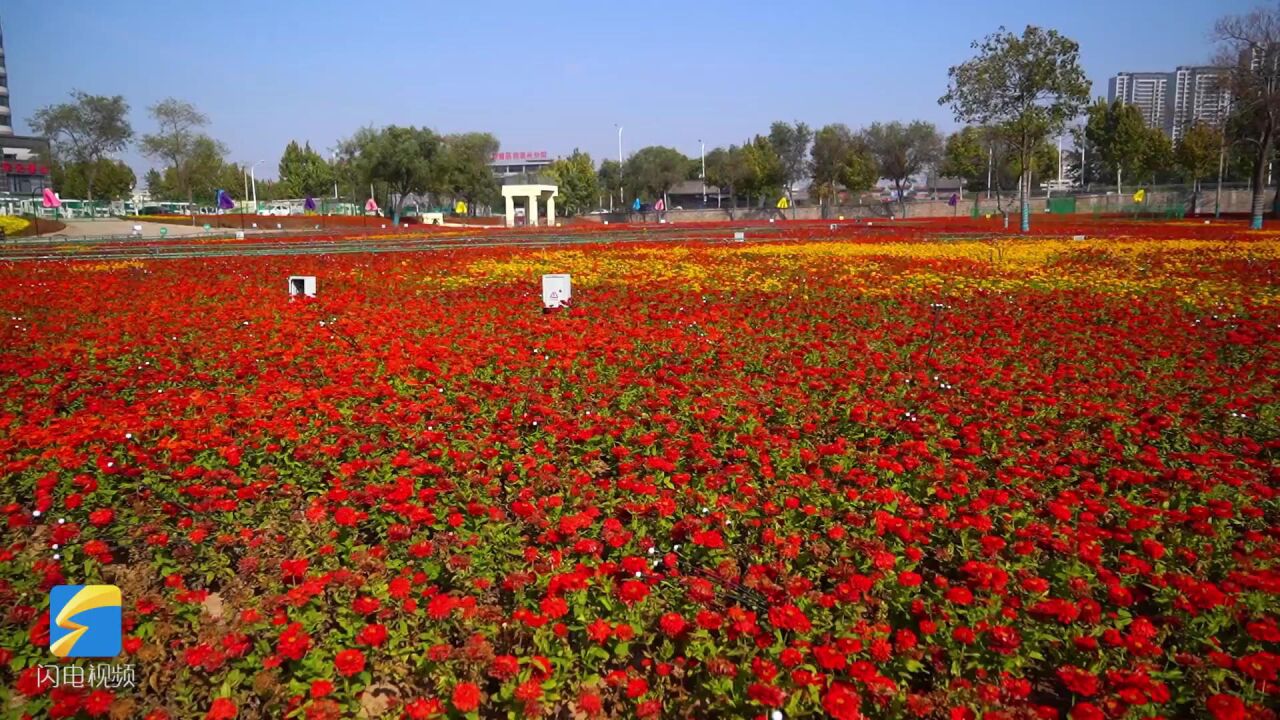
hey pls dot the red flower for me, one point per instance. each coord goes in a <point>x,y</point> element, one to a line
<point>1086,711</point>
<point>842,703</point>
<point>423,708</point>
<point>766,695</point>
<point>504,667</point>
<point>466,697</point>
<point>101,517</point>
<point>1080,682</point>
<point>373,635</point>
<point>672,624</point>
<point>321,688</point>
<point>1227,707</point>
<point>590,703</point>
<point>98,703</point>
<point>633,591</point>
<point>349,662</point>
<point>789,617</point>
<point>293,643</point>
<point>529,691</point>
<point>222,709</point>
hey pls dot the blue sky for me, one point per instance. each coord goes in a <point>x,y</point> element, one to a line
<point>553,75</point>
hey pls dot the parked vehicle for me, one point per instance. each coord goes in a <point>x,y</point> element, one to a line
<point>276,209</point>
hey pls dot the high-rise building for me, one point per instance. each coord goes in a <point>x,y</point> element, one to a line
<point>1200,95</point>
<point>24,168</point>
<point>1173,102</point>
<point>6,121</point>
<point>1147,91</point>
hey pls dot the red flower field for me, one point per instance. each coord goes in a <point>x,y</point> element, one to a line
<point>915,473</point>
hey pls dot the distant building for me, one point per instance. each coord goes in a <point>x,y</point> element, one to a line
<point>6,117</point>
<point>1173,102</point>
<point>1200,95</point>
<point>1147,91</point>
<point>24,161</point>
<point>516,164</point>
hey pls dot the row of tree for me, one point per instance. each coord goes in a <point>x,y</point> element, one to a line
<point>1015,95</point>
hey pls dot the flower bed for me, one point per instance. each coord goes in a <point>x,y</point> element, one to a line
<point>883,477</point>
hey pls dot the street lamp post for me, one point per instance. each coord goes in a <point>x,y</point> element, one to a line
<point>253,182</point>
<point>1222,161</point>
<point>702,151</point>
<point>622,198</point>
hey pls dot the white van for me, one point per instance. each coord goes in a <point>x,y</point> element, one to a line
<point>276,209</point>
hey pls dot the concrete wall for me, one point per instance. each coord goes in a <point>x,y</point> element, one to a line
<point>1233,201</point>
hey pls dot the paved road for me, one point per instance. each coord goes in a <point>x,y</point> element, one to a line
<point>97,228</point>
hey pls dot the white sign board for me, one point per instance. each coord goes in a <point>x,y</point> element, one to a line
<point>556,290</point>
<point>302,285</point>
<point>739,236</point>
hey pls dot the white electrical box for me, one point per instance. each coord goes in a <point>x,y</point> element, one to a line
<point>556,290</point>
<point>302,285</point>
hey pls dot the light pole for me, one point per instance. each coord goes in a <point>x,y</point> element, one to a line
<point>622,199</point>
<point>334,162</point>
<point>702,151</point>
<point>253,181</point>
<point>991,160</point>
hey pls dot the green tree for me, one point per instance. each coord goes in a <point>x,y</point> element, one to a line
<point>155,185</point>
<point>576,178</point>
<point>791,142</point>
<point>1157,155</point>
<point>179,142</point>
<point>727,169</point>
<point>609,177</point>
<point>402,160</point>
<point>197,181</point>
<point>839,156</point>
<point>464,168</point>
<point>651,171</point>
<point>1120,138</point>
<point>114,179</point>
<point>764,175</point>
<point>303,172</point>
<point>903,151</point>
<point>1196,155</point>
<point>85,132</point>
<point>1030,85</point>
<point>967,156</point>
<point>1249,45</point>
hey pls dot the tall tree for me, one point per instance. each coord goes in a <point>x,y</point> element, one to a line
<point>967,156</point>
<point>652,170</point>
<point>1119,137</point>
<point>576,178</point>
<point>609,177</point>
<point>464,168</point>
<point>86,131</point>
<point>839,156</point>
<point>791,142</point>
<point>727,170</point>
<point>303,172</point>
<point>198,181</point>
<point>1197,153</point>
<point>1031,85</point>
<point>402,160</point>
<point>764,168</point>
<point>114,179</point>
<point>179,142</point>
<point>1249,45</point>
<point>903,151</point>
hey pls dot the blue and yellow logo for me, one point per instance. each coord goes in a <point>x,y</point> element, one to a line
<point>84,621</point>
